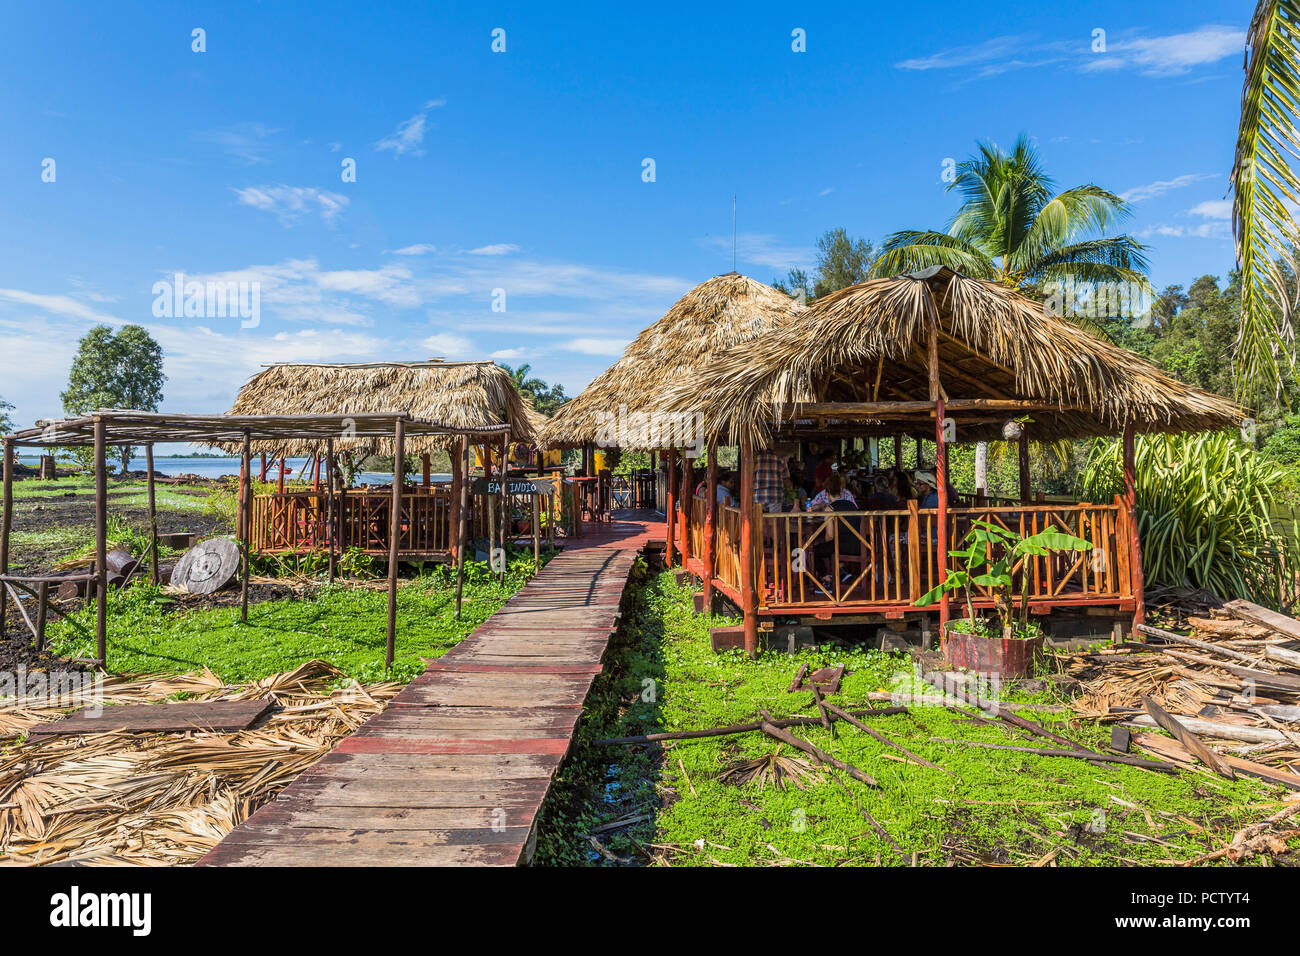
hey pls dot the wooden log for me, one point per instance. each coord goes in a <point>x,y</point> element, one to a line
<point>153,513</point>
<point>748,597</point>
<point>1187,738</point>
<point>846,716</point>
<point>1216,728</point>
<point>42,606</point>
<point>246,511</point>
<point>6,524</point>
<point>800,744</point>
<point>1246,611</point>
<point>1173,638</point>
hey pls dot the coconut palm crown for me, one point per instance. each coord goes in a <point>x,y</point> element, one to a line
<point>1012,228</point>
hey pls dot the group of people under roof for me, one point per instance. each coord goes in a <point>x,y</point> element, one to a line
<point>790,486</point>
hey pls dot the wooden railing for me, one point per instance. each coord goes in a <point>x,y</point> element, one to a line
<point>890,558</point>
<point>298,522</point>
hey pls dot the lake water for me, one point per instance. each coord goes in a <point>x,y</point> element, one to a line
<point>219,467</point>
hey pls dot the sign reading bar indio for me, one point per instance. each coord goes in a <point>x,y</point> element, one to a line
<point>515,486</point>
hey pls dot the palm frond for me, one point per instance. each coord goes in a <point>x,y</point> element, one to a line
<point>1265,191</point>
<point>911,250</point>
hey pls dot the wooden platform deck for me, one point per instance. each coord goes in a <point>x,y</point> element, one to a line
<point>454,771</point>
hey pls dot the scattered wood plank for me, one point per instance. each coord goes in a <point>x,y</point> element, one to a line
<point>799,743</point>
<point>1120,737</point>
<point>1187,738</point>
<point>798,678</point>
<point>1091,757</point>
<point>845,716</point>
<point>736,728</point>
<point>217,716</point>
<point>1219,649</point>
<point>1246,611</point>
<point>1217,728</point>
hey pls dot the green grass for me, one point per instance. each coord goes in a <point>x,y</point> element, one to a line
<point>341,625</point>
<point>1000,806</point>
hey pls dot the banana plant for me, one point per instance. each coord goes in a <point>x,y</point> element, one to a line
<point>987,558</point>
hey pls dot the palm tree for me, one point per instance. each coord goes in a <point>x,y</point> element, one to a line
<point>1265,191</point>
<point>1013,229</point>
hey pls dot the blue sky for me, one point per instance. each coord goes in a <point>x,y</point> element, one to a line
<point>522,170</point>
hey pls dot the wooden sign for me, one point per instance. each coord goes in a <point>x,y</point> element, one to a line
<point>515,486</point>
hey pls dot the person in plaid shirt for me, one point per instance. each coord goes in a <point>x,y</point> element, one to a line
<point>769,480</point>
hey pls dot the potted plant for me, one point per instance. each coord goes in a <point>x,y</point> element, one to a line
<point>1006,642</point>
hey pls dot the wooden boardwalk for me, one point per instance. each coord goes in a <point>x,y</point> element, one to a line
<point>454,771</point>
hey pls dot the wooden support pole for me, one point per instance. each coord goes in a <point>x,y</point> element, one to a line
<point>279,484</point>
<point>329,507</point>
<point>42,602</point>
<point>710,525</point>
<point>261,473</point>
<point>246,522</point>
<point>6,525</point>
<point>462,520</point>
<point>153,513</point>
<point>394,537</point>
<point>1023,455</point>
<point>687,496</point>
<point>426,463</point>
<point>940,476</point>
<point>898,451</point>
<point>536,502</point>
<point>1135,541</point>
<point>101,544</point>
<point>748,598</point>
<point>918,453</point>
<point>505,501</point>
<point>457,479</point>
<point>670,508</point>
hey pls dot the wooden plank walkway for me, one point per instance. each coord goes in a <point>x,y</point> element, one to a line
<point>454,771</point>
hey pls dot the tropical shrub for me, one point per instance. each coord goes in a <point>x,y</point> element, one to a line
<point>1205,505</point>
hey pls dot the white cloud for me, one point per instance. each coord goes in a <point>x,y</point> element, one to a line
<point>1213,209</point>
<point>409,135</point>
<point>1206,230</point>
<point>1174,54</point>
<point>247,142</point>
<point>291,203</point>
<point>510,355</point>
<point>58,305</point>
<point>447,345</point>
<point>763,250</point>
<point>997,48</point>
<point>419,249</point>
<point>827,191</point>
<point>498,249</point>
<point>594,346</point>
<point>1162,186</point>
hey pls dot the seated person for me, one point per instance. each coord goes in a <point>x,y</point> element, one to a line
<point>833,492</point>
<point>881,498</point>
<point>794,498</point>
<point>925,485</point>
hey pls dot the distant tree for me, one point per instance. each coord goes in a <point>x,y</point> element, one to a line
<point>122,370</point>
<point>841,262</point>
<point>545,398</point>
<point>6,420</point>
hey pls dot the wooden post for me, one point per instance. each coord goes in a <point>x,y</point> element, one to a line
<point>748,599</point>
<point>394,534</point>
<point>279,484</point>
<point>505,502</point>
<point>329,505</point>
<point>261,474</point>
<point>457,478</point>
<point>670,508</point>
<point>1023,454</point>
<point>246,514</point>
<point>101,544</point>
<point>537,531</point>
<point>6,523</point>
<point>940,474</point>
<point>427,464</point>
<point>153,513</point>
<point>941,478</point>
<point>898,451</point>
<point>710,525</point>
<point>687,496</point>
<point>42,600</point>
<point>1135,541</point>
<point>462,520</point>
<point>918,453</point>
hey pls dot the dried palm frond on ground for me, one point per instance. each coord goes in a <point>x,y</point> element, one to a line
<point>772,768</point>
<point>164,799</point>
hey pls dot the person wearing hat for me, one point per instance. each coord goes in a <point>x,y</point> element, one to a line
<point>925,484</point>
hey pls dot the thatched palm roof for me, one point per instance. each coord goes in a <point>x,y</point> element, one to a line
<point>869,343</point>
<point>457,394</point>
<point>725,310</point>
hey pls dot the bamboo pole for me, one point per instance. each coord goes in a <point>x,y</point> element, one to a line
<point>6,524</point>
<point>462,522</point>
<point>246,515</point>
<point>153,513</point>
<point>457,478</point>
<point>394,534</point>
<point>42,602</point>
<point>329,506</point>
<point>710,525</point>
<point>748,599</point>
<point>1135,541</point>
<point>101,544</point>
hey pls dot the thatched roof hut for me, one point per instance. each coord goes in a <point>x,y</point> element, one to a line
<point>853,360</point>
<point>724,311</point>
<point>457,394</point>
